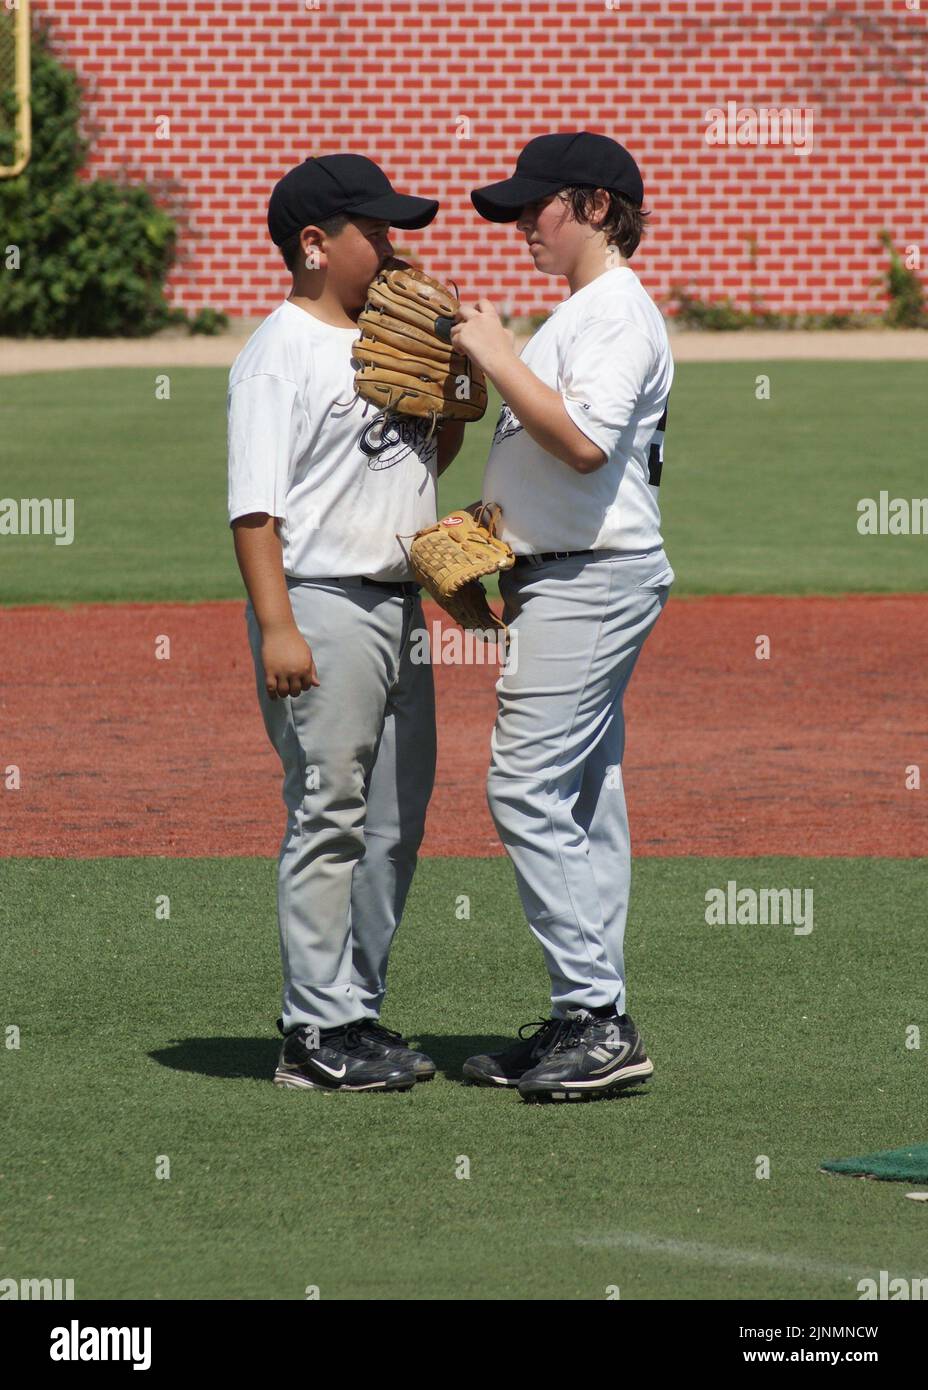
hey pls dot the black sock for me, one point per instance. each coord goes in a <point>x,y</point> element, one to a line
<point>605,1011</point>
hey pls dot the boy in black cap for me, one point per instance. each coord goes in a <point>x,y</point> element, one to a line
<point>575,464</point>
<point>320,484</point>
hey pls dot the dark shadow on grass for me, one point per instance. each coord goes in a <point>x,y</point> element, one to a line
<point>257,1057</point>
<point>449,1053</point>
<point>254,1058</point>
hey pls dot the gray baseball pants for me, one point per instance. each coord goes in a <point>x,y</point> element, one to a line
<point>555,781</point>
<point>358,755</point>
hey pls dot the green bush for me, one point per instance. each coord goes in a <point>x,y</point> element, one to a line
<point>906,308</point>
<point>724,316</point>
<point>94,254</point>
<point>839,319</point>
<point>719,316</point>
<point>208,321</point>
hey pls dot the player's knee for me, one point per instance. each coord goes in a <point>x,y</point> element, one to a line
<point>506,798</point>
<point>404,844</point>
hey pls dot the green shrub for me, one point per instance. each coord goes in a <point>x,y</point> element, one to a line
<point>724,316</point>
<point>906,308</point>
<point>208,321</point>
<point>94,254</point>
<point>720,316</point>
<point>838,319</point>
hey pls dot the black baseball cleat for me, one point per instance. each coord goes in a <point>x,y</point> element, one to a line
<point>337,1059</point>
<point>508,1067</point>
<point>393,1047</point>
<point>590,1057</point>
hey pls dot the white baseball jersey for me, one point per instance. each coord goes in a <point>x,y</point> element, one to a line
<point>343,480</point>
<point>605,349</point>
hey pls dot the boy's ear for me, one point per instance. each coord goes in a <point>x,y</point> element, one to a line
<point>311,244</point>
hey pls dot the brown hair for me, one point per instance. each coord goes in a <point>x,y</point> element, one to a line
<point>291,249</point>
<point>623,221</point>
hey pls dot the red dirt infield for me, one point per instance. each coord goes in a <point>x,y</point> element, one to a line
<point>802,754</point>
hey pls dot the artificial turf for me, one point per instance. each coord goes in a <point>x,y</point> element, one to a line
<point>758,495</point>
<point>142,1038</point>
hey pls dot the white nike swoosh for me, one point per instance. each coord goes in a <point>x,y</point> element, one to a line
<point>331,1071</point>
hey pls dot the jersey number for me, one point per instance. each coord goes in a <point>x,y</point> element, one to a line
<point>656,452</point>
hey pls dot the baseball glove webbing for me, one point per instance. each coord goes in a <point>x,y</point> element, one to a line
<point>450,558</point>
<point>408,364</point>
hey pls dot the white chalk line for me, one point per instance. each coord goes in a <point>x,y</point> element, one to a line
<point>723,1257</point>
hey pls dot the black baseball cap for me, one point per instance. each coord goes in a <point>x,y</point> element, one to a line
<point>328,184</point>
<point>552,162</point>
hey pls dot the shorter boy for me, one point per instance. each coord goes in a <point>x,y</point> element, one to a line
<point>320,485</point>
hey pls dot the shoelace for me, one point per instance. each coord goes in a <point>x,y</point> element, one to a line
<point>542,1026</point>
<point>347,1037</point>
<point>355,1037</point>
<point>571,1033</point>
<point>539,1024</point>
<point>374,1026</point>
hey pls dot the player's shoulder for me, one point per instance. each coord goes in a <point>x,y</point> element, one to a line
<point>620,295</point>
<point>277,347</point>
<point>623,302</point>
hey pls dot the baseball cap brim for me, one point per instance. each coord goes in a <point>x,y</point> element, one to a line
<point>502,202</point>
<point>399,209</point>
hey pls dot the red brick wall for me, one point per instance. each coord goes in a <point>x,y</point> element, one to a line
<point>254,86</point>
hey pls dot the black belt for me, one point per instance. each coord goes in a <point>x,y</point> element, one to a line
<point>552,555</point>
<point>392,586</point>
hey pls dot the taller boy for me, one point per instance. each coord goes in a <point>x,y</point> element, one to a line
<point>575,464</point>
<point>320,485</point>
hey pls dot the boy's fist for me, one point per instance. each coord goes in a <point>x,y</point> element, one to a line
<point>480,334</point>
<point>288,663</point>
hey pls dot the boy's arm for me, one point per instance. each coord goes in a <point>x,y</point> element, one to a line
<point>540,409</point>
<point>288,662</point>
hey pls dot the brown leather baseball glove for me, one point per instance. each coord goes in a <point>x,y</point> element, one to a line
<point>450,558</point>
<point>407,362</point>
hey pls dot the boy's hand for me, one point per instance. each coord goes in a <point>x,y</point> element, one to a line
<point>289,668</point>
<point>479,333</point>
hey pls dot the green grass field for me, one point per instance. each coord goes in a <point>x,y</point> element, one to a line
<point>757,496</point>
<point>143,1038</point>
